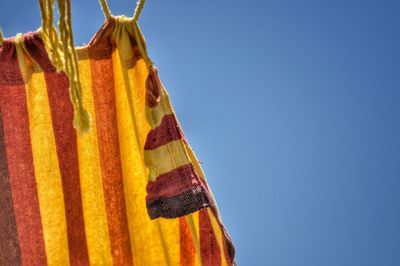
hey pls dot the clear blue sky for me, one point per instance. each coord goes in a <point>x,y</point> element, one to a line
<point>294,108</point>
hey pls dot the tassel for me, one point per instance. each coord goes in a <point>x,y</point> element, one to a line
<point>61,49</point>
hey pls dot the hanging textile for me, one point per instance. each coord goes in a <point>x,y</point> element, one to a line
<point>125,188</point>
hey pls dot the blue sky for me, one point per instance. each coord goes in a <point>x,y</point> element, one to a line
<point>294,108</point>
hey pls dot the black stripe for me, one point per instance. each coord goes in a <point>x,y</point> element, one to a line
<point>180,205</point>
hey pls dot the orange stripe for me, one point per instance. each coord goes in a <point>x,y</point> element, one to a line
<point>107,130</point>
<point>188,251</point>
<point>210,251</point>
<point>66,144</point>
<point>20,162</point>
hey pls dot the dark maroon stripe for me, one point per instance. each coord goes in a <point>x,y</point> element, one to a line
<point>179,205</point>
<point>37,51</point>
<point>9,68</point>
<point>175,182</point>
<point>21,172</point>
<point>229,256</point>
<point>167,131</point>
<point>10,253</point>
<point>67,151</point>
<point>209,249</point>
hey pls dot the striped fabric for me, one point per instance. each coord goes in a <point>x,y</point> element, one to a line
<point>93,199</point>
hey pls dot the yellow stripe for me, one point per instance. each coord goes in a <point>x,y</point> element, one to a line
<point>193,222</point>
<point>195,162</point>
<point>166,158</point>
<point>47,172</point>
<point>170,233</point>
<point>94,211</point>
<point>146,241</point>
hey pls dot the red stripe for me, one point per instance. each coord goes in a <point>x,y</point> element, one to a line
<point>229,248</point>
<point>210,251</point>
<point>110,161</point>
<point>173,183</point>
<point>167,131</point>
<point>188,251</point>
<point>66,143</point>
<point>20,162</point>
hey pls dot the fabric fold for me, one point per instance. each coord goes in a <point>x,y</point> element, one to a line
<point>174,189</point>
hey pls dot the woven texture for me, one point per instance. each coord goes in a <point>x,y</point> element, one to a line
<point>93,199</point>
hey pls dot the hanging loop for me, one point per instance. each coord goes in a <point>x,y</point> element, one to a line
<point>105,8</point>
<point>136,14</point>
<point>138,10</point>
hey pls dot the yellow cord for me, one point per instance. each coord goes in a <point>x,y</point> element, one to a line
<point>63,55</point>
<point>61,49</point>
<point>81,116</point>
<point>141,42</point>
<point>50,35</point>
<point>138,10</point>
<point>105,8</point>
